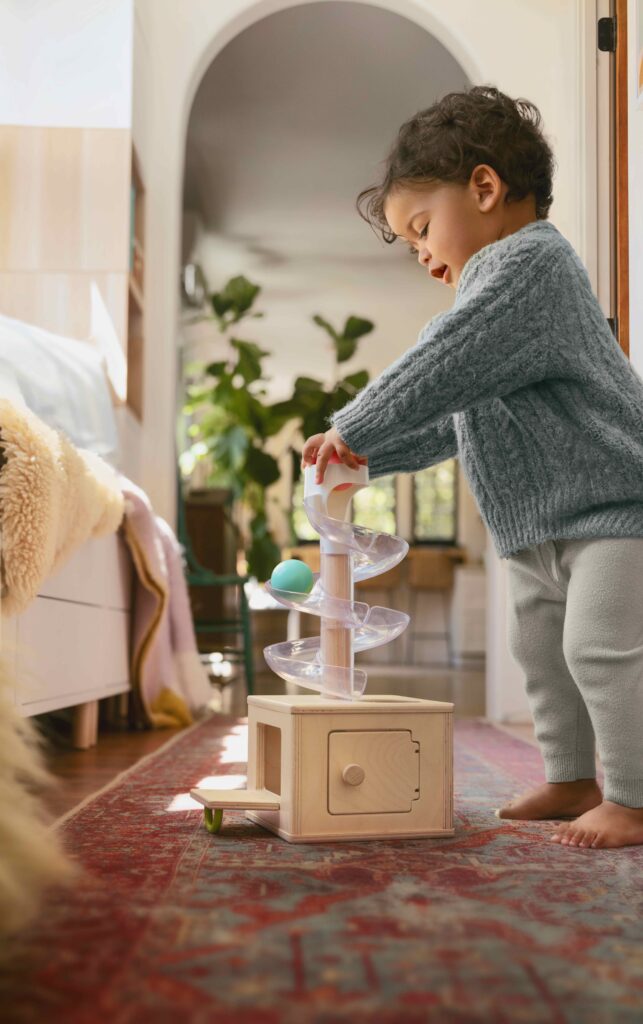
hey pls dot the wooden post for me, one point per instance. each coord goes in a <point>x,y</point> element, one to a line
<point>336,639</point>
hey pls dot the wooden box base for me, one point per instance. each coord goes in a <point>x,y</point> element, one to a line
<point>326,770</point>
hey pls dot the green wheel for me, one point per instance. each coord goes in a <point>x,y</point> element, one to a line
<point>212,818</point>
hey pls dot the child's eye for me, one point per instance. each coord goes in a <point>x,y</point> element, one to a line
<point>422,233</point>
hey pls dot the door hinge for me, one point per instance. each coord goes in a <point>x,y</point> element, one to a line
<point>613,322</point>
<point>607,34</point>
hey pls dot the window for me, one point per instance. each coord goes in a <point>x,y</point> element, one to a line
<point>435,503</point>
<point>301,526</point>
<point>434,506</point>
<point>373,507</point>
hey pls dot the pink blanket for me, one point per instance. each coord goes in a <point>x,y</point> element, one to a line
<point>168,681</point>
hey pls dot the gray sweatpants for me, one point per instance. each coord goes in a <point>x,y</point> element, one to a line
<point>575,627</point>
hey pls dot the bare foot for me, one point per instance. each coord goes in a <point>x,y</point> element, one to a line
<point>554,800</point>
<point>607,825</point>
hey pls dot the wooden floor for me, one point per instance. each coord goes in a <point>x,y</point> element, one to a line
<point>80,773</point>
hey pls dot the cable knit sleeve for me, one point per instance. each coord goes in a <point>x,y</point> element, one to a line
<point>498,337</point>
<point>422,447</point>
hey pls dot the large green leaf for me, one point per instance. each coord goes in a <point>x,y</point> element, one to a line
<point>296,466</point>
<point>354,382</point>
<point>327,327</point>
<point>355,327</point>
<point>304,385</point>
<point>229,448</point>
<point>264,554</point>
<point>315,421</point>
<point>262,557</point>
<point>220,304</point>
<point>216,369</point>
<point>242,406</point>
<point>261,467</point>
<point>240,293</point>
<point>223,392</point>
<point>280,413</point>
<point>249,359</point>
<point>345,348</point>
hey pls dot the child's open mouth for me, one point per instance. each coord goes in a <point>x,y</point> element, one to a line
<point>441,274</point>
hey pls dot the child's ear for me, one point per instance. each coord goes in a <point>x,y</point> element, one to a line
<point>487,187</point>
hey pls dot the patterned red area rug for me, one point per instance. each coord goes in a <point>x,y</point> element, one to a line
<point>172,924</point>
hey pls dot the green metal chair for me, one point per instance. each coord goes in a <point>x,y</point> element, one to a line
<point>197,575</point>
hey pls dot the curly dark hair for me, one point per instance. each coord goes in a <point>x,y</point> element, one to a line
<point>444,142</point>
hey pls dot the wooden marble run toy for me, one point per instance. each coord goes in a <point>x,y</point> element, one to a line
<point>339,764</point>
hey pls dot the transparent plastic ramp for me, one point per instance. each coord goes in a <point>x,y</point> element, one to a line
<point>372,553</point>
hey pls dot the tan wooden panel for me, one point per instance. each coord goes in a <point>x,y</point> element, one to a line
<point>61,303</point>
<point>308,553</point>
<point>239,798</point>
<point>390,776</point>
<point>432,568</point>
<point>64,198</point>
<point>385,581</point>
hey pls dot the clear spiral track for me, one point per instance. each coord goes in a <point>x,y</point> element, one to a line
<point>370,553</point>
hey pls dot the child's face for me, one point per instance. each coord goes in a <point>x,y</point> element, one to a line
<point>447,223</point>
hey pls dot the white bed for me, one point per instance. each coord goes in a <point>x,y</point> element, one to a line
<point>70,647</point>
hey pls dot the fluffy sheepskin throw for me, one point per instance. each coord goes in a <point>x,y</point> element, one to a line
<point>32,857</point>
<point>53,497</point>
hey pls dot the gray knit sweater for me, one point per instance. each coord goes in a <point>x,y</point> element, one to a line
<point>523,380</point>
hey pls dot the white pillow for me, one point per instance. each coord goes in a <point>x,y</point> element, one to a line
<point>62,381</point>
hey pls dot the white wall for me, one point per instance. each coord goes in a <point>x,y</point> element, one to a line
<point>542,51</point>
<point>66,64</point>
<point>69,65</point>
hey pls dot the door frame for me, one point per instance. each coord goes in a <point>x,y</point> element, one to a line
<point>612,284</point>
<point>621,108</point>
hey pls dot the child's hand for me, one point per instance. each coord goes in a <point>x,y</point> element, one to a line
<point>319,448</point>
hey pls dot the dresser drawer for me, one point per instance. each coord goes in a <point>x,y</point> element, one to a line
<point>98,573</point>
<point>70,653</point>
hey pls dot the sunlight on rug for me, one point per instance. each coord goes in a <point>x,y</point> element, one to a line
<point>170,923</point>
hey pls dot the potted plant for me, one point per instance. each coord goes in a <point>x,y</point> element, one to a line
<point>232,421</point>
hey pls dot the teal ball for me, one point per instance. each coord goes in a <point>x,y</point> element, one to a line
<point>293,576</point>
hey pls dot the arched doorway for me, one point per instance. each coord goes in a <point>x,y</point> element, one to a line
<point>291,118</point>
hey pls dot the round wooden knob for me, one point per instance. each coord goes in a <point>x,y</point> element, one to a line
<point>353,774</point>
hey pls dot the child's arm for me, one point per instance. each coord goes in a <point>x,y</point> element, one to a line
<point>499,336</point>
<point>415,450</point>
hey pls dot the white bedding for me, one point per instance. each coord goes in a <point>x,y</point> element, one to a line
<point>62,380</point>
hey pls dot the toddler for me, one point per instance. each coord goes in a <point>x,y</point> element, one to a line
<point>522,380</point>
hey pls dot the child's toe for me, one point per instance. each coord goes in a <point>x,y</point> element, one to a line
<point>586,838</point>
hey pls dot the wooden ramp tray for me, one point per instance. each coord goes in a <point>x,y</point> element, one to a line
<point>215,801</point>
